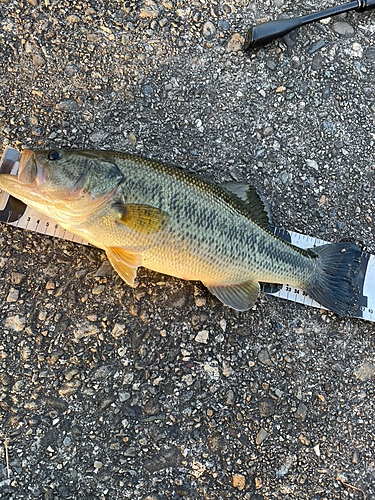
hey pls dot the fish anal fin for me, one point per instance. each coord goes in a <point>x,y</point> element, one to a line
<point>142,218</point>
<point>125,263</point>
<point>239,297</point>
<point>256,206</point>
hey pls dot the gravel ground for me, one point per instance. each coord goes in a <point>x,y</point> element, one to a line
<point>161,392</point>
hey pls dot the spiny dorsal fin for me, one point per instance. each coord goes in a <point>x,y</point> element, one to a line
<point>257,208</point>
<point>142,218</point>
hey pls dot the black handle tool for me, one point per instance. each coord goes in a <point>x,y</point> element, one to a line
<point>265,33</point>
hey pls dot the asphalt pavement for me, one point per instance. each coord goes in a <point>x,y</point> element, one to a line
<point>160,392</point>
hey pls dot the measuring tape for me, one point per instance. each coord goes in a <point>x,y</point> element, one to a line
<point>16,213</point>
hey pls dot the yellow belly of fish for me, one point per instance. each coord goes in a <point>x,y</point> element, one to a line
<point>194,265</point>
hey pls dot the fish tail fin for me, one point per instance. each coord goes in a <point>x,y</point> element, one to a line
<point>334,284</point>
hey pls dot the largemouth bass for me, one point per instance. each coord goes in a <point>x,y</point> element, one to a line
<point>146,213</point>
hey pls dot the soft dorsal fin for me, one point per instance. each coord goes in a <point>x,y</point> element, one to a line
<point>239,297</point>
<point>124,262</point>
<point>257,208</point>
<point>142,218</point>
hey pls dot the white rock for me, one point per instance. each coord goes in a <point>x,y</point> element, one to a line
<point>312,164</point>
<point>317,450</point>
<point>202,337</point>
<point>16,323</point>
<point>13,295</point>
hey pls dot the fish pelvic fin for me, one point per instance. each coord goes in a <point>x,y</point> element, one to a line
<point>239,297</point>
<point>142,218</point>
<point>125,263</point>
<point>256,206</point>
<point>334,283</point>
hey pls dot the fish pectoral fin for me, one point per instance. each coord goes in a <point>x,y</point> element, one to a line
<point>142,218</point>
<point>124,262</point>
<point>256,206</point>
<point>239,297</point>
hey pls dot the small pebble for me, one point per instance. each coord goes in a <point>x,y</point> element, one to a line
<point>264,358</point>
<point>42,315</point>
<point>285,467</point>
<point>314,47</point>
<point>151,407</point>
<point>235,44</point>
<point>312,164</point>
<point>118,330</point>
<point>301,412</point>
<point>266,407</point>
<point>317,450</point>
<point>231,398</point>
<point>343,28</point>
<point>17,278</point>
<point>98,136</point>
<point>267,131</point>
<point>224,25</point>
<point>13,295</point>
<point>304,441</point>
<point>239,481</point>
<point>202,337</point>
<point>209,31</point>
<point>132,139</point>
<point>104,270</point>
<point>73,18</point>
<point>223,324</point>
<point>188,379</point>
<point>200,301</point>
<point>355,457</point>
<point>69,105</point>
<point>150,10</point>
<point>147,90</point>
<point>38,60</point>
<point>67,442</point>
<point>366,371</point>
<point>227,370</point>
<point>271,65</point>
<point>38,131</point>
<point>261,436</point>
<point>16,323</point>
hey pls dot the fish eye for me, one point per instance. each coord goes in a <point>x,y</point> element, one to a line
<point>54,155</point>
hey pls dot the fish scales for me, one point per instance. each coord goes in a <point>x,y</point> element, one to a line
<point>144,212</point>
<point>222,243</point>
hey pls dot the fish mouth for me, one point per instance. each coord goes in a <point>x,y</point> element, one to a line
<point>24,184</point>
<point>22,174</point>
<point>27,170</point>
<point>25,157</point>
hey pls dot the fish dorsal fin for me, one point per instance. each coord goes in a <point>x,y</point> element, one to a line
<point>240,297</point>
<point>257,208</point>
<point>142,218</point>
<point>124,262</point>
